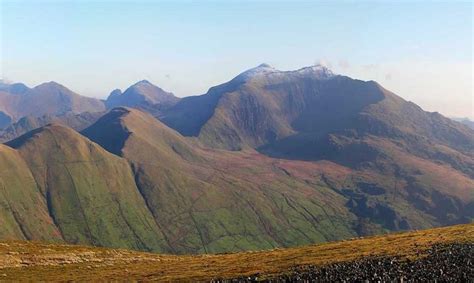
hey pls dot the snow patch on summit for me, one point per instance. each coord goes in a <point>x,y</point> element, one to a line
<point>319,71</point>
<point>261,69</point>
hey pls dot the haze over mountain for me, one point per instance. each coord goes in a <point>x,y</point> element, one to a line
<point>25,124</point>
<point>18,100</point>
<point>143,94</point>
<point>268,159</point>
<point>466,121</point>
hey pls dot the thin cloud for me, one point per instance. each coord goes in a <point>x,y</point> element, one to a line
<point>344,64</point>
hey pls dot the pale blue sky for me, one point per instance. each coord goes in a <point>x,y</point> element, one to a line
<point>420,50</point>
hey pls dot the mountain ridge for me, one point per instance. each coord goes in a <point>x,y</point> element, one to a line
<point>270,159</point>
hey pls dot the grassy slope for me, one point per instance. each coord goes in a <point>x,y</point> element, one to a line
<point>215,201</point>
<point>181,198</point>
<point>35,261</point>
<point>23,210</point>
<point>90,193</point>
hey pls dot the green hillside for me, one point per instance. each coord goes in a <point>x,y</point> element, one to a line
<point>89,193</point>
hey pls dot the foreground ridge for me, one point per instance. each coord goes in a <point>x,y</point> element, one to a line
<point>356,259</point>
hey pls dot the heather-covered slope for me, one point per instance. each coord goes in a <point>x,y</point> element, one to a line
<point>212,201</point>
<point>202,206</point>
<point>90,194</point>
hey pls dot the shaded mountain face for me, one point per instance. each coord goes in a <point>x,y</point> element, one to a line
<point>17,101</point>
<point>264,105</point>
<point>144,95</point>
<point>312,114</point>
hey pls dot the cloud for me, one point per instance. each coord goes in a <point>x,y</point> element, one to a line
<point>370,67</point>
<point>344,64</point>
<point>324,62</point>
<point>388,76</point>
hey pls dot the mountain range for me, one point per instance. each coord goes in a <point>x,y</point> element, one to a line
<point>269,159</point>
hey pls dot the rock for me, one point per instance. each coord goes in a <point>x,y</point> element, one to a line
<point>443,263</point>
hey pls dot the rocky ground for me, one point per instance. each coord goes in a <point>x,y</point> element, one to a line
<point>442,263</point>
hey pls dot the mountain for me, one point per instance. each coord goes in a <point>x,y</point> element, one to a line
<point>264,105</point>
<point>15,88</point>
<point>427,255</point>
<point>205,201</point>
<point>17,101</point>
<point>22,126</point>
<point>465,121</point>
<point>269,159</point>
<point>209,200</point>
<point>143,94</point>
<point>313,114</point>
<point>156,190</point>
<point>62,187</point>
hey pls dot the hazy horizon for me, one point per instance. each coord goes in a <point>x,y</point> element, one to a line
<point>420,51</point>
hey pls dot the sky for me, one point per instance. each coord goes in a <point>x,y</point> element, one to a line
<point>421,50</point>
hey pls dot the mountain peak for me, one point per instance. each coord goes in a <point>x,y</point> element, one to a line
<point>319,70</point>
<point>264,65</point>
<point>115,92</point>
<point>142,93</point>
<point>50,84</point>
<point>261,69</point>
<point>143,82</point>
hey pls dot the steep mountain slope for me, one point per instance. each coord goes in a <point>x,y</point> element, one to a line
<point>203,207</point>
<point>22,126</point>
<point>294,114</point>
<point>212,201</point>
<point>23,209</point>
<point>143,94</point>
<point>315,157</point>
<point>89,193</point>
<point>50,98</point>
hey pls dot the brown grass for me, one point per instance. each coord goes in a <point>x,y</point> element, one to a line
<point>37,261</point>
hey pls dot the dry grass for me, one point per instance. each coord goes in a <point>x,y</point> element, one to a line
<point>37,261</point>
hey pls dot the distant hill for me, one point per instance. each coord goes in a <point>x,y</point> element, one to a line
<point>441,253</point>
<point>18,100</point>
<point>143,94</point>
<point>29,123</point>
<point>465,121</point>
